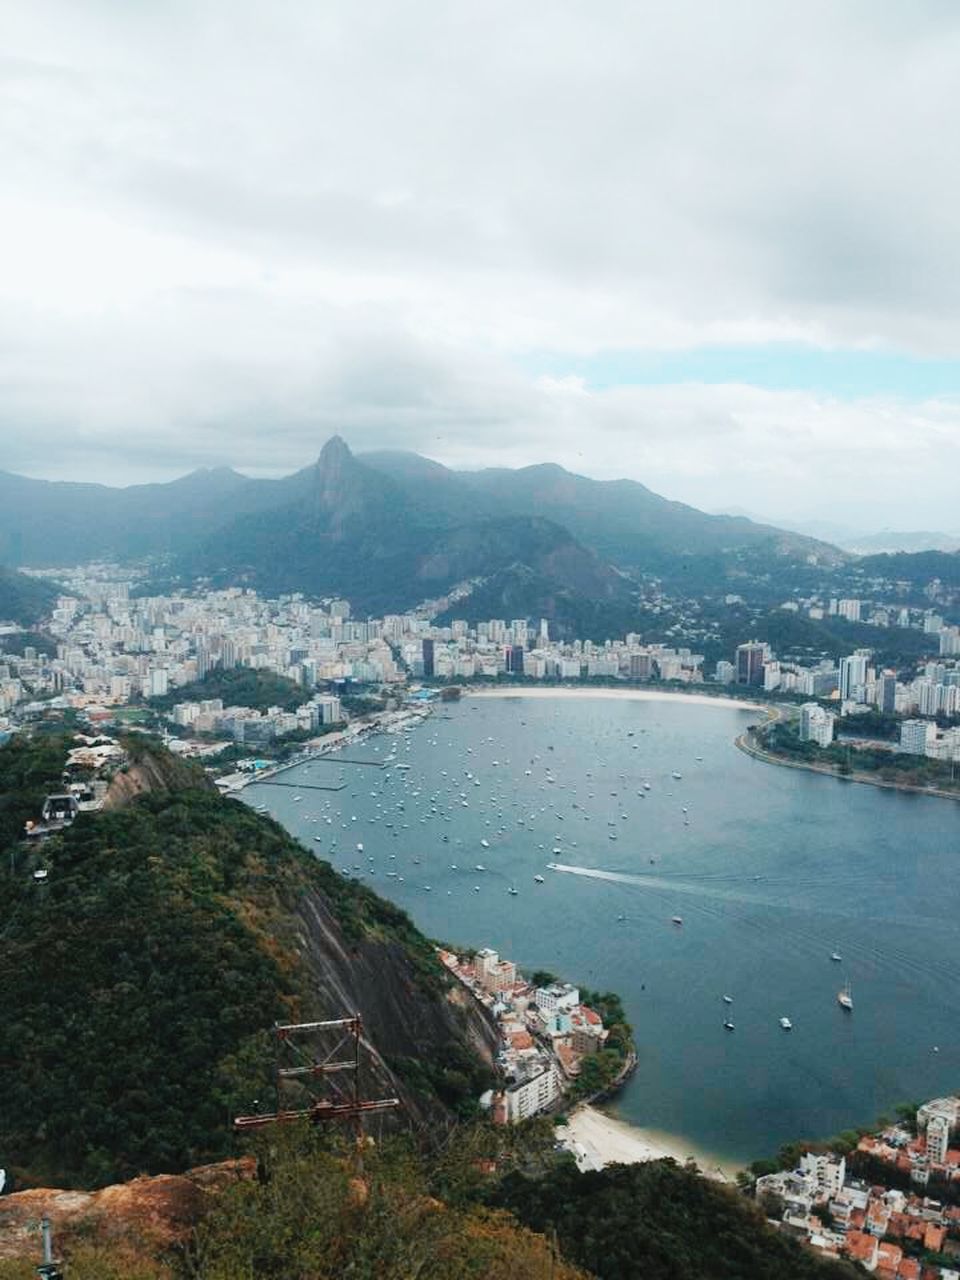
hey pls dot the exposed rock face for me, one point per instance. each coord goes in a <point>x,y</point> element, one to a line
<point>152,772</point>
<point>149,1213</point>
<point>401,1017</point>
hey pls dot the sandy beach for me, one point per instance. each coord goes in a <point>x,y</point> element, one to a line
<point>598,1139</point>
<point>631,694</point>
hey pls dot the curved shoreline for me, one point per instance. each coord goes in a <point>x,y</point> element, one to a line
<point>749,747</point>
<point>596,1138</point>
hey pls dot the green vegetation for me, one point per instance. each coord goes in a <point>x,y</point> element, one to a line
<point>482,1203</point>
<point>24,599</point>
<point>136,983</point>
<point>871,724</point>
<point>658,1222</point>
<point>30,767</point>
<point>19,641</point>
<point>239,687</point>
<point>889,766</point>
<point>599,1071</point>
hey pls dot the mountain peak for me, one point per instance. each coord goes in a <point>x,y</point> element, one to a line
<point>334,453</point>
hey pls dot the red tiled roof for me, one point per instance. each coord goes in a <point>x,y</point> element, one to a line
<point>860,1246</point>
<point>933,1237</point>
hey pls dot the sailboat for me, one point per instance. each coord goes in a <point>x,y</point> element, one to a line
<point>844,998</point>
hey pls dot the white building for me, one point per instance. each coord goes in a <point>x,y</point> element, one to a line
<point>914,735</point>
<point>853,673</point>
<point>938,1139</point>
<point>528,1097</point>
<point>559,997</point>
<point>826,1170</point>
<point>816,724</point>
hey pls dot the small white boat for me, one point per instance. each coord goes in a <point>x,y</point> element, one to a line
<point>676,919</point>
<point>728,1026</point>
<point>728,999</point>
<point>676,776</point>
<point>844,998</point>
<point>538,880</point>
<point>479,867</point>
<point>836,957</point>
<point>485,844</point>
<point>786,1024</point>
<point>513,891</point>
<point>359,846</point>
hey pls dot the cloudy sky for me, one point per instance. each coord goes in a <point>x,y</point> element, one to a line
<point>713,247</point>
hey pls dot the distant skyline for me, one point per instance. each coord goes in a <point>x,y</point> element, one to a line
<point>710,248</point>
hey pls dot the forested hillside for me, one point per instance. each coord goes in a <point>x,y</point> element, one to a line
<point>138,983</point>
<point>23,599</point>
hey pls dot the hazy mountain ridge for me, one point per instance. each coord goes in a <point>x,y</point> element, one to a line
<point>391,528</point>
<point>356,531</point>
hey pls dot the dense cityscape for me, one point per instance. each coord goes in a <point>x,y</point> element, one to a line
<point>111,648</point>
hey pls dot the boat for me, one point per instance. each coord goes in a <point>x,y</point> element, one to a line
<point>485,844</point>
<point>728,1026</point>
<point>728,999</point>
<point>359,846</point>
<point>676,776</point>
<point>676,919</point>
<point>844,998</point>
<point>786,1024</point>
<point>513,891</point>
<point>538,879</point>
<point>836,957</point>
<point>480,867</point>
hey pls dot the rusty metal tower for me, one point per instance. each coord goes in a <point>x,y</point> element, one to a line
<point>330,1069</point>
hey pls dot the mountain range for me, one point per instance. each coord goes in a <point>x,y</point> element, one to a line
<point>389,529</point>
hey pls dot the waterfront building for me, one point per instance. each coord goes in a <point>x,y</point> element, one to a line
<point>527,1097</point>
<point>913,737</point>
<point>726,672</point>
<point>825,1170</point>
<point>750,660</point>
<point>427,651</point>
<point>514,658</point>
<point>938,1139</point>
<point>816,724</point>
<point>557,997</point>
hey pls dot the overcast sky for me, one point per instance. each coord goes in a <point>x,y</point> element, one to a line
<point>713,247</point>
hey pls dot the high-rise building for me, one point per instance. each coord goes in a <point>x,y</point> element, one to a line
<point>641,666</point>
<point>849,609</point>
<point>515,659</point>
<point>428,658</point>
<point>938,1139</point>
<point>853,674</point>
<point>913,737</point>
<point>887,693</point>
<point>750,660</point>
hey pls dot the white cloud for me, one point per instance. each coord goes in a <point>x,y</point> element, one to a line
<point>231,227</point>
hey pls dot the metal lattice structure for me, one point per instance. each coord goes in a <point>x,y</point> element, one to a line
<point>329,1068</point>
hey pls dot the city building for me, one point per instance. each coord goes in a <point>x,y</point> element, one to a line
<point>816,724</point>
<point>749,661</point>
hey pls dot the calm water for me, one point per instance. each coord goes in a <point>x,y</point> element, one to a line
<point>771,870</point>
